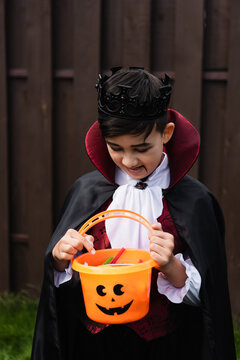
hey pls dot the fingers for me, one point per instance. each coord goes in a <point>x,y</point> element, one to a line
<point>160,237</point>
<point>163,256</point>
<point>157,226</point>
<point>88,243</point>
<point>70,243</point>
<point>161,245</point>
<point>78,241</point>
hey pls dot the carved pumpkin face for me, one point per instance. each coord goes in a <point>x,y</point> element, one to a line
<point>117,304</point>
<point>112,300</point>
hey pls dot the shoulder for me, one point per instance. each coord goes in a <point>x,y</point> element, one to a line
<point>88,192</point>
<point>194,201</point>
<point>189,182</point>
<point>89,184</point>
<point>191,189</point>
<point>93,177</point>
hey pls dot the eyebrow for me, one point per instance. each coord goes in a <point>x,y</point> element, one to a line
<point>136,145</point>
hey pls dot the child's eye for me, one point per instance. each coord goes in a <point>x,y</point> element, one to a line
<point>142,150</point>
<point>116,149</point>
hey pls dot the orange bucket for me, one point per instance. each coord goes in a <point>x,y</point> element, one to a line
<point>120,292</point>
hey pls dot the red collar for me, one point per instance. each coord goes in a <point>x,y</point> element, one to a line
<point>182,149</point>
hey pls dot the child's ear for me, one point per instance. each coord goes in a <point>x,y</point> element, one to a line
<point>168,132</point>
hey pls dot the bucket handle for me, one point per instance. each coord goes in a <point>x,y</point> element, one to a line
<point>116,213</point>
<point>110,214</point>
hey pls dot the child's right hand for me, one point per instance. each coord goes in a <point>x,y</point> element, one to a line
<point>68,246</point>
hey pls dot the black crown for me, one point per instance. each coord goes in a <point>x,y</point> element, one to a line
<point>122,105</point>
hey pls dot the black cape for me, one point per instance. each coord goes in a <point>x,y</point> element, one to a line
<point>206,330</point>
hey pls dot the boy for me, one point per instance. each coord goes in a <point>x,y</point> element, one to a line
<point>142,152</point>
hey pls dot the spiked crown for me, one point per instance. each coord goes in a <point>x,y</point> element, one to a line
<point>122,105</point>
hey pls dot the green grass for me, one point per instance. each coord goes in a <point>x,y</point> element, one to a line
<point>237,337</point>
<point>17,319</point>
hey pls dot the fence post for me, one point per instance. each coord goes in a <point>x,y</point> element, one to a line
<point>230,162</point>
<point>136,33</point>
<point>4,228</point>
<point>188,61</point>
<point>31,143</point>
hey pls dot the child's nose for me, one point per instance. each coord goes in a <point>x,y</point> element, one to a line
<point>129,161</point>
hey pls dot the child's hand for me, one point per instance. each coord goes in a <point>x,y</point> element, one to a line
<point>161,246</point>
<point>161,250</point>
<point>68,246</point>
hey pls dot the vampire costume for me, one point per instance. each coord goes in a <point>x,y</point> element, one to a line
<point>204,332</point>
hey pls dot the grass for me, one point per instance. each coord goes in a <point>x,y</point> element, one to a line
<point>237,337</point>
<point>17,319</point>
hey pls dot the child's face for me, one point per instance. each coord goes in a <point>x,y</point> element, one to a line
<point>137,156</point>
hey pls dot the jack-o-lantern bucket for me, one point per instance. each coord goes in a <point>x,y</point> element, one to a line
<point>118,292</point>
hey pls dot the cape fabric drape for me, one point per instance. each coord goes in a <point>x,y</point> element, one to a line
<point>206,332</point>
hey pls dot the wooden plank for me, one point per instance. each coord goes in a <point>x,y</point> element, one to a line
<point>216,29</point>
<point>31,148</point>
<point>86,70</point>
<point>63,149</point>
<point>4,228</point>
<point>136,33</point>
<point>126,33</point>
<point>16,28</point>
<point>81,108</point>
<point>213,115</point>
<point>39,135</point>
<point>18,149</point>
<point>188,61</point>
<point>111,34</point>
<point>62,33</point>
<point>69,74</point>
<point>215,76</point>
<point>63,74</point>
<point>163,35</point>
<point>17,73</point>
<point>18,181</point>
<point>231,150</point>
<point>63,84</point>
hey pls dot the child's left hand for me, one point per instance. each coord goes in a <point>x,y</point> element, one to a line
<point>161,246</point>
<point>161,250</point>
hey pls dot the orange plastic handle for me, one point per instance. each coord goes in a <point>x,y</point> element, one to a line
<point>110,214</point>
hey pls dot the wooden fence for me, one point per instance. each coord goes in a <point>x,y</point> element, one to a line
<point>50,55</point>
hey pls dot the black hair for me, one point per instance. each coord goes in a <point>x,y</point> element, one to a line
<point>146,87</point>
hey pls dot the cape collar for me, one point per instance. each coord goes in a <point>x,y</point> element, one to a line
<point>182,149</point>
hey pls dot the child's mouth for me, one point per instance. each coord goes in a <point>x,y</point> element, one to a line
<point>135,171</point>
